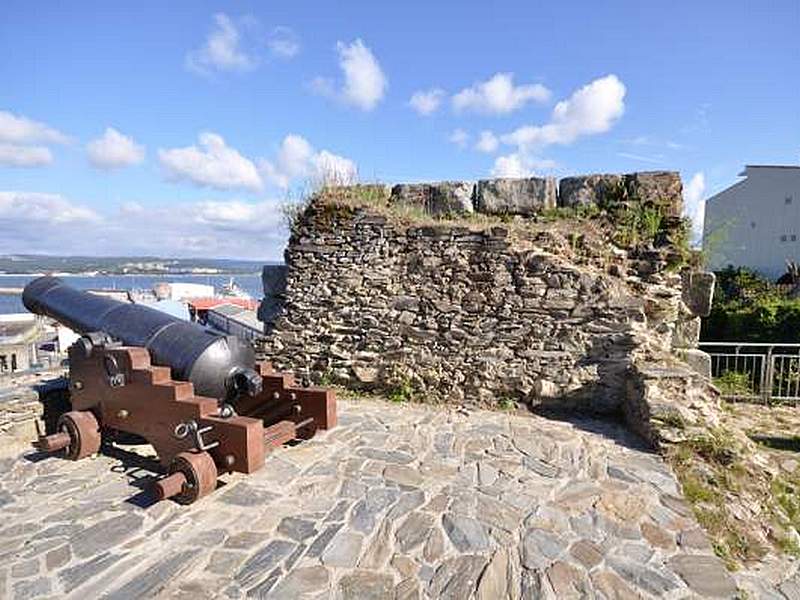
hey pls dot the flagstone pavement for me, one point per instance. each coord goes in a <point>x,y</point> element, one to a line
<point>399,501</point>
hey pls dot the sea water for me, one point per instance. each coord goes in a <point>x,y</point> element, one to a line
<point>250,283</point>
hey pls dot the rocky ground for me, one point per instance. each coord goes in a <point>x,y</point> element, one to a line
<point>399,501</point>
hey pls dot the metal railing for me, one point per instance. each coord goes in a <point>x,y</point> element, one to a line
<point>756,372</point>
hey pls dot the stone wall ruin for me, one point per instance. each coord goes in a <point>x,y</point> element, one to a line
<point>500,291</point>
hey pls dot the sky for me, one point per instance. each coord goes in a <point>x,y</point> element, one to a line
<point>182,128</point>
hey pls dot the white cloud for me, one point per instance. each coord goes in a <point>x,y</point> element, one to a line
<point>212,164</point>
<point>508,166</point>
<point>49,223</point>
<point>592,109</point>
<point>654,160</point>
<point>33,208</point>
<point>498,95</point>
<point>21,141</point>
<point>427,102</point>
<point>131,208</point>
<point>211,228</point>
<point>16,129</point>
<point>33,222</point>
<point>695,205</point>
<point>647,141</point>
<point>114,150</point>
<point>364,82</point>
<point>487,142</point>
<point>333,168</point>
<point>12,155</point>
<point>222,50</point>
<point>283,42</point>
<point>459,137</point>
<point>232,214</point>
<point>323,86</point>
<point>519,164</point>
<point>297,159</point>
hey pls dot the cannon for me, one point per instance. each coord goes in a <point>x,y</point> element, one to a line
<point>198,397</point>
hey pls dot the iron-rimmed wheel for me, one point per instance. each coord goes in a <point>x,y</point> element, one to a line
<point>84,433</point>
<point>200,472</point>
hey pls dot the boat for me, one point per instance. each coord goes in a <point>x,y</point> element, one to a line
<point>233,290</point>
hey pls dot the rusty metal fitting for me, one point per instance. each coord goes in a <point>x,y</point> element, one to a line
<point>53,442</point>
<point>170,486</point>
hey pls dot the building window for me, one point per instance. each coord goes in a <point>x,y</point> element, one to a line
<point>753,224</point>
<point>783,238</point>
<point>788,200</point>
<point>793,237</point>
<point>13,362</point>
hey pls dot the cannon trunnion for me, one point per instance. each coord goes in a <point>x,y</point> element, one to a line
<point>116,386</point>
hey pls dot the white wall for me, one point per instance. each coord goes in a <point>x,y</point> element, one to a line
<point>745,224</point>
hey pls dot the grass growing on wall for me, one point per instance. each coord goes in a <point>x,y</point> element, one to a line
<point>632,223</point>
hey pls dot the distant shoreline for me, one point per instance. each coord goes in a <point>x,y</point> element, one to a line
<point>135,274</point>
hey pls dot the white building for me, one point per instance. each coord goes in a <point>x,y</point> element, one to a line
<point>18,336</point>
<point>181,290</point>
<point>755,223</point>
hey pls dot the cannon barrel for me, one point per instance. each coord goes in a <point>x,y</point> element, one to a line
<point>218,366</point>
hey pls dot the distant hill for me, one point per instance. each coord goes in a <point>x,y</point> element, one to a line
<point>115,265</point>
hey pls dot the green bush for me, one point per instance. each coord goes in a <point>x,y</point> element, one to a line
<point>403,391</point>
<point>748,308</point>
<point>733,383</point>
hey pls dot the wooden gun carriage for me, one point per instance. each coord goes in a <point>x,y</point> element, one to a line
<point>199,397</point>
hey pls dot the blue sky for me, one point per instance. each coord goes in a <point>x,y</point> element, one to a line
<point>179,128</point>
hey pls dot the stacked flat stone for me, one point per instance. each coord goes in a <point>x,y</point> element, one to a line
<point>698,290</point>
<point>457,314</point>
<point>529,196</point>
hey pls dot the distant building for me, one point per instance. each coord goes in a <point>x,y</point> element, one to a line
<point>235,320</point>
<point>182,290</point>
<point>18,337</point>
<point>755,223</point>
<point>199,307</point>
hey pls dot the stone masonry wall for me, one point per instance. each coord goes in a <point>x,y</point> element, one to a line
<point>445,312</point>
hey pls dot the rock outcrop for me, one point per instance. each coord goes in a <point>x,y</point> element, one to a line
<point>515,196</point>
<point>588,190</point>
<point>443,198</point>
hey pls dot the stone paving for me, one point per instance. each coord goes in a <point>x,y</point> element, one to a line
<point>399,501</point>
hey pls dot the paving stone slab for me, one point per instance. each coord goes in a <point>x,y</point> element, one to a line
<point>105,535</point>
<point>401,502</point>
<point>263,560</point>
<point>302,582</point>
<point>705,575</point>
<point>457,577</point>
<point>466,534</point>
<point>155,578</point>
<point>366,585</point>
<point>76,575</point>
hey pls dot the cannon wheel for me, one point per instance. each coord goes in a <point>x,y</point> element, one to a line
<point>200,472</point>
<point>84,433</point>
